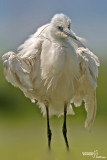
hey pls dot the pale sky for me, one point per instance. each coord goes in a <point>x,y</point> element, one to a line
<point>20,18</point>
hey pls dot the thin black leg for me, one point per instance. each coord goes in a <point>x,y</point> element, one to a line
<point>64,129</point>
<point>49,134</point>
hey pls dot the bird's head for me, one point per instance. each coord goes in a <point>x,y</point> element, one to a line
<point>60,27</point>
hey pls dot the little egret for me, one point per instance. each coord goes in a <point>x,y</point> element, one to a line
<point>56,69</point>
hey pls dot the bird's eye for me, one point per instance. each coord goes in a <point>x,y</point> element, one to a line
<point>60,28</point>
<point>69,26</point>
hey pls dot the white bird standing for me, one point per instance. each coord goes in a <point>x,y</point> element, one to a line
<point>56,69</point>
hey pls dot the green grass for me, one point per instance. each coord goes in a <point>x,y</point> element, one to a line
<point>23,128</point>
<point>24,139</point>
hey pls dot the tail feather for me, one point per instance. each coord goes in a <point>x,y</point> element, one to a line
<point>90,106</point>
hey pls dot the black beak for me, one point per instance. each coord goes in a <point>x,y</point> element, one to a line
<point>69,33</point>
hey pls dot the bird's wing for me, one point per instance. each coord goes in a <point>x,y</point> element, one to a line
<point>21,70</point>
<point>86,90</point>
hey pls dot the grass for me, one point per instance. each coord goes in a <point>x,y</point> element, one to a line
<point>25,138</point>
<point>23,128</point>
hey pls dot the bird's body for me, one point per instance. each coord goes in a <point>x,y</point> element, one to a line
<point>54,67</point>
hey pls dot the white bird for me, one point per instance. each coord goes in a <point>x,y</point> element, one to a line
<point>56,69</point>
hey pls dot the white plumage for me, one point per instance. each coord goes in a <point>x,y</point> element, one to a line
<point>54,66</point>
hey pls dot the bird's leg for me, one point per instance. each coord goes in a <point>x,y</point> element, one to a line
<point>64,129</point>
<point>49,134</point>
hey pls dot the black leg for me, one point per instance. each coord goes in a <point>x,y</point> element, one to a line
<point>64,129</point>
<point>49,134</point>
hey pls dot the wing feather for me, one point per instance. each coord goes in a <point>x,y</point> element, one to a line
<point>18,68</point>
<point>86,89</point>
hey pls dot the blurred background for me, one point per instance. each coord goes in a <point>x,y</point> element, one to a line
<point>22,126</point>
